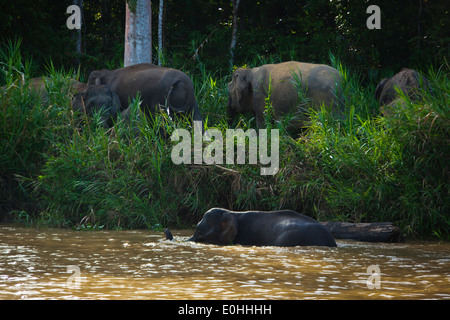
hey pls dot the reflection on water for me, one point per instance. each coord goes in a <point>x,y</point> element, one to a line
<point>66,264</point>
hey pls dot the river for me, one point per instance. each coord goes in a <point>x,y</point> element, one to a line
<point>66,264</point>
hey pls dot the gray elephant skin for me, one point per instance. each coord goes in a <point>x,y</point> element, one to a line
<point>407,80</point>
<point>96,97</point>
<point>261,228</point>
<point>249,88</point>
<point>158,86</point>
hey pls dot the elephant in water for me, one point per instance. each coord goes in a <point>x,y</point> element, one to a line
<point>261,228</point>
<point>96,97</point>
<point>249,88</point>
<point>407,80</point>
<point>158,87</point>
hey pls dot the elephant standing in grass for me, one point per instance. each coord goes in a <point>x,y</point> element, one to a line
<point>293,86</point>
<point>158,86</point>
<point>261,228</point>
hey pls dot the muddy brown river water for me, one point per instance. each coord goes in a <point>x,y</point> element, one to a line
<point>65,264</point>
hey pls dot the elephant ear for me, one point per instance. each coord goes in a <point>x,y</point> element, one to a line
<point>228,228</point>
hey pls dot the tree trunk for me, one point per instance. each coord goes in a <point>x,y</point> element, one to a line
<point>369,232</point>
<point>138,32</point>
<point>160,31</point>
<point>234,34</point>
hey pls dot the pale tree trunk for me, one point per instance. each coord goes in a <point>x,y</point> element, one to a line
<point>160,31</point>
<point>234,34</point>
<point>138,32</point>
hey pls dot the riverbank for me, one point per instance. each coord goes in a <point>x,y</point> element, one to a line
<point>362,168</point>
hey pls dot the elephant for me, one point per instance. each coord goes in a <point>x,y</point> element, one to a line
<point>261,228</point>
<point>96,97</point>
<point>249,88</point>
<point>157,85</point>
<point>407,80</point>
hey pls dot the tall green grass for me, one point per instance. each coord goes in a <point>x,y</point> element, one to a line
<point>360,168</point>
<point>28,126</point>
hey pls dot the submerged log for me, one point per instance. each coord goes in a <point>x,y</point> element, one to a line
<point>368,232</point>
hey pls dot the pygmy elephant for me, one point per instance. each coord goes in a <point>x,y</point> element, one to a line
<point>261,228</point>
<point>158,86</point>
<point>294,86</point>
<point>96,97</point>
<point>407,80</point>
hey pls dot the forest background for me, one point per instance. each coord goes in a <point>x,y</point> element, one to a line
<point>366,168</point>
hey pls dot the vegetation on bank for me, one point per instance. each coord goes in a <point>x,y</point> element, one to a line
<point>62,169</point>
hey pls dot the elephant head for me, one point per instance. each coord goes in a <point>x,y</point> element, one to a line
<point>240,92</point>
<point>218,226</point>
<point>96,97</point>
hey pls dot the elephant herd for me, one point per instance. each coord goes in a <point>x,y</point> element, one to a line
<point>289,87</point>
